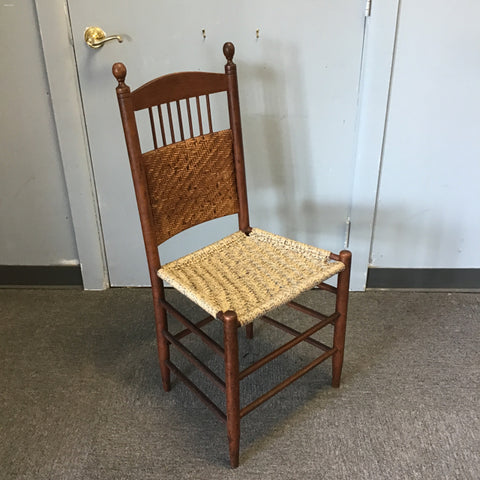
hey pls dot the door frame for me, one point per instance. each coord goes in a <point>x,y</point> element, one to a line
<point>58,50</point>
<point>61,68</point>
<point>374,97</point>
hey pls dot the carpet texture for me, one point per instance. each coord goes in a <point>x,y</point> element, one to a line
<point>81,396</point>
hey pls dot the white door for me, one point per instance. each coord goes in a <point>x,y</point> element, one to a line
<point>299,67</point>
<point>427,208</point>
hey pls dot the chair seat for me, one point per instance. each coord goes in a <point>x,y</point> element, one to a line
<point>249,274</point>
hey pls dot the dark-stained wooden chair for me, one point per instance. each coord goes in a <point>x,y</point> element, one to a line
<point>192,173</point>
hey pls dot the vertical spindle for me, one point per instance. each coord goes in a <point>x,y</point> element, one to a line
<point>199,113</point>
<point>152,125</point>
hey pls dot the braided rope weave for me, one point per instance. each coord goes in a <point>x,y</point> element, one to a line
<point>190,182</point>
<point>249,274</point>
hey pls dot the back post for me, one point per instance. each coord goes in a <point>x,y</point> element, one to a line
<point>236,126</point>
<point>138,173</point>
<point>146,217</point>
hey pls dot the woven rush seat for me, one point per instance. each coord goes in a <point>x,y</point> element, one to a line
<point>249,274</point>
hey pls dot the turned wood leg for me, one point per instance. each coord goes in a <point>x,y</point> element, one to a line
<point>161,325</point>
<point>249,331</point>
<point>232,384</point>
<point>340,324</point>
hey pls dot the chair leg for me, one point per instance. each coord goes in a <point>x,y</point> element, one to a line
<point>249,331</point>
<point>163,348</point>
<point>162,344</point>
<point>340,325</point>
<point>232,383</point>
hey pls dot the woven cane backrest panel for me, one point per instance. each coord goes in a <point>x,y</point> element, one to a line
<point>191,182</point>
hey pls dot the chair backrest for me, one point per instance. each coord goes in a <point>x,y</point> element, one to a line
<point>186,179</point>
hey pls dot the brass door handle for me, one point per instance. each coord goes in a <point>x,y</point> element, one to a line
<point>95,37</point>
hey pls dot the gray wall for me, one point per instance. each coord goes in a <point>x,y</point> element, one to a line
<point>35,223</point>
<point>427,208</point>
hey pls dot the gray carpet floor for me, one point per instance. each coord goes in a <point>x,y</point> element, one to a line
<point>81,397</point>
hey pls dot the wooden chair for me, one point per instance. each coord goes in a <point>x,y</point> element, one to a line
<point>189,179</point>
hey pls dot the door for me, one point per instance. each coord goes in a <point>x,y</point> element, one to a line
<point>427,207</point>
<point>299,66</point>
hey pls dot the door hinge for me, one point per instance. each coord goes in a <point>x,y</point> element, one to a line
<point>348,225</point>
<point>368,8</point>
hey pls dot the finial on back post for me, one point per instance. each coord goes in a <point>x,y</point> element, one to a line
<point>119,71</point>
<point>229,52</point>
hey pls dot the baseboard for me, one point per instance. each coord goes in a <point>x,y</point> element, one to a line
<point>424,278</point>
<point>40,276</point>
<point>406,278</point>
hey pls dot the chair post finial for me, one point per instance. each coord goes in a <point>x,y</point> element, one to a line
<point>119,71</point>
<point>229,52</point>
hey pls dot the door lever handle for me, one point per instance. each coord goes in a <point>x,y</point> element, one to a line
<point>95,37</point>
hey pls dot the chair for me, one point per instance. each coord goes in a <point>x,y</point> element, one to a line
<point>194,176</point>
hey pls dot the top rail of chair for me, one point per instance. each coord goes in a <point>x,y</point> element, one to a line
<point>177,86</point>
